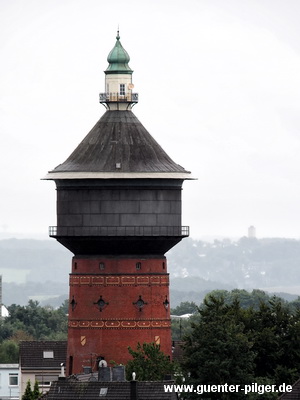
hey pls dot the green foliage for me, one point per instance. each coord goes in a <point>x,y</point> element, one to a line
<point>31,394</point>
<point>181,327</point>
<point>149,363</point>
<point>36,391</point>
<point>234,344</point>
<point>39,322</point>
<point>218,351</point>
<point>28,395</point>
<point>9,352</point>
<point>31,322</point>
<point>64,308</point>
<point>245,298</point>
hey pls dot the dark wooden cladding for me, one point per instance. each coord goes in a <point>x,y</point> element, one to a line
<point>118,208</point>
<point>86,206</point>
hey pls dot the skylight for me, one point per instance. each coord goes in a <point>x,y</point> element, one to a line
<point>103,392</point>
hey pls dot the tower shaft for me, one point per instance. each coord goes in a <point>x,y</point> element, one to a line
<point>116,302</point>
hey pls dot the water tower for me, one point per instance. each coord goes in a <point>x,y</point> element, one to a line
<point>118,212</point>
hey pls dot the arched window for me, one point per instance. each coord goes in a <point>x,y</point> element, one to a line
<point>138,266</point>
<point>101,265</point>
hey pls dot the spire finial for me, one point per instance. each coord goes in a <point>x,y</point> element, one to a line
<point>118,35</point>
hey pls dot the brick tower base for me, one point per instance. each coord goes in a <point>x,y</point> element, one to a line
<point>115,303</point>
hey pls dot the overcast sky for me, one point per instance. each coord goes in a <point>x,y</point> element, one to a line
<point>219,89</point>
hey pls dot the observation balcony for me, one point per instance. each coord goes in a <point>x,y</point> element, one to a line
<point>125,231</point>
<point>116,240</point>
<point>129,97</point>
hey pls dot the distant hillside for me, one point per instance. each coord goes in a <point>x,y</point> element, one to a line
<point>270,264</point>
<point>40,269</point>
<point>36,269</point>
<point>247,263</point>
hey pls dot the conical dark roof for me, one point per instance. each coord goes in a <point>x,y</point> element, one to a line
<point>119,143</point>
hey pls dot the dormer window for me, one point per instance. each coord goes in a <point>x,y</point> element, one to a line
<point>122,89</point>
<point>48,354</point>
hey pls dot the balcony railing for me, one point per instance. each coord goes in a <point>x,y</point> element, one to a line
<point>118,98</point>
<point>182,231</point>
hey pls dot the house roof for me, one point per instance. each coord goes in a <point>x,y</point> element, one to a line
<point>42,354</point>
<point>73,390</point>
<point>118,144</point>
<point>9,366</point>
<point>294,394</point>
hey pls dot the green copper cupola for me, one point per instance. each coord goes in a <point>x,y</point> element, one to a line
<point>118,80</point>
<point>118,59</point>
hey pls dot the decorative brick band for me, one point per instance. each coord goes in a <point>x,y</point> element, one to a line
<point>120,324</point>
<point>124,280</point>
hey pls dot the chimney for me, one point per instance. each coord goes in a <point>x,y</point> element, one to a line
<point>133,388</point>
<point>62,370</point>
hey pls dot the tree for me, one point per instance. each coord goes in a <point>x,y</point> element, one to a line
<point>39,322</point>
<point>9,352</point>
<point>32,394</point>
<point>218,351</point>
<point>28,395</point>
<point>237,345</point>
<point>31,322</point>
<point>181,327</point>
<point>277,342</point>
<point>246,299</point>
<point>149,363</point>
<point>36,391</point>
<point>64,308</point>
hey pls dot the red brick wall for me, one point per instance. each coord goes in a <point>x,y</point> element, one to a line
<point>103,319</point>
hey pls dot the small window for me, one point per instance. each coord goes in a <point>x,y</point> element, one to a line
<point>122,89</point>
<point>103,392</point>
<point>75,265</point>
<point>70,365</point>
<point>48,354</point>
<point>13,379</point>
<point>45,380</point>
<point>138,265</point>
<point>102,266</point>
<point>164,265</point>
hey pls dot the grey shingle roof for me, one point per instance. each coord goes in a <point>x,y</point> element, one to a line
<point>119,138</point>
<point>294,394</point>
<point>69,389</point>
<point>32,354</point>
